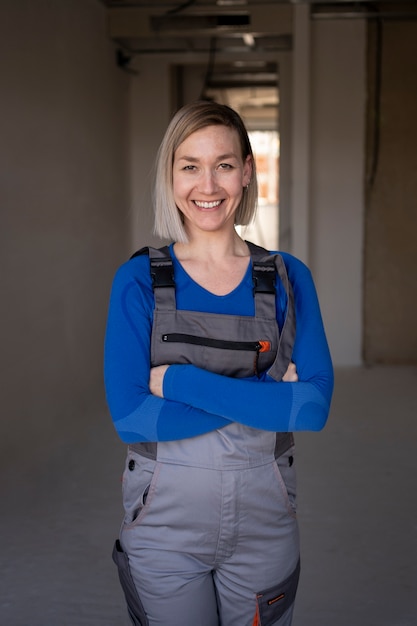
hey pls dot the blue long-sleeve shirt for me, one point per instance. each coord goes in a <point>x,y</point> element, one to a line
<point>197,401</point>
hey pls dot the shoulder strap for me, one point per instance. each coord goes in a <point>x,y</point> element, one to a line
<point>162,273</point>
<point>265,266</point>
<point>263,276</point>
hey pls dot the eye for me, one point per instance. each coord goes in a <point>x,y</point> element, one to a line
<point>189,168</point>
<point>225,166</point>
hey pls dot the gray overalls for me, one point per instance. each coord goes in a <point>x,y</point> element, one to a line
<point>210,535</point>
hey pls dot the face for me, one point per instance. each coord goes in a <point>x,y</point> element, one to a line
<point>209,175</point>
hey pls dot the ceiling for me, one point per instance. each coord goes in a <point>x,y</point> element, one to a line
<point>237,26</point>
<point>237,41</point>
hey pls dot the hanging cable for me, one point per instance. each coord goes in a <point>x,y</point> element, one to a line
<point>209,70</point>
<point>376,126</point>
<point>180,7</point>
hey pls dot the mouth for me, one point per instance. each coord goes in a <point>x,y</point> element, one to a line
<point>207,205</point>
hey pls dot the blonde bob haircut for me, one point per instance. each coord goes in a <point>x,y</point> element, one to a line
<point>188,120</point>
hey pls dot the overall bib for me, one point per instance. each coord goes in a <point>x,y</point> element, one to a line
<point>210,535</point>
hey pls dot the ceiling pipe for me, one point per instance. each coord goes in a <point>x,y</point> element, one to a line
<point>338,15</point>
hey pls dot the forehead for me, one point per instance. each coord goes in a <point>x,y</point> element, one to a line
<point>216,138</point>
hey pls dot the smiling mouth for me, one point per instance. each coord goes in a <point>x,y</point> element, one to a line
<point>208,205</point>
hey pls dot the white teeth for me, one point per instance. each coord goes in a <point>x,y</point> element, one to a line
<point>207,205</point>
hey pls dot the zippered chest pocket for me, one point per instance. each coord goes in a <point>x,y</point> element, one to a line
<point>235,346</point>
<point>255,348</point>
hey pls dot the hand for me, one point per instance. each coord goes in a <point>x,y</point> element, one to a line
<point>290,375</point>
<point>156,380</point>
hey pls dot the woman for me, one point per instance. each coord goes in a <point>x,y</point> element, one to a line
<point>205,382</point>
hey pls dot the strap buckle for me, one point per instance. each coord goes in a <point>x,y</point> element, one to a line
<point>263,277</point>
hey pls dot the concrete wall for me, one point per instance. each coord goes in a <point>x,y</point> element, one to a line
<point>63,180</point>
<point>150,112</point>
<point>338,98</point>
<point>391,212</point>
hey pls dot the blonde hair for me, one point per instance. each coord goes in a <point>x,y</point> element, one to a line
<point>188,120</point>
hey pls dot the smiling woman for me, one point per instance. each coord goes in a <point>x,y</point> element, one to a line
<point>209,176</point>
<point>192,119</point>
<point>205,380</point>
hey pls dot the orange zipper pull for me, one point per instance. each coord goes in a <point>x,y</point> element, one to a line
<point>261,346</point>
<point>265,346</point>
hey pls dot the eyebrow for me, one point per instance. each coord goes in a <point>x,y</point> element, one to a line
<point>221,157</point>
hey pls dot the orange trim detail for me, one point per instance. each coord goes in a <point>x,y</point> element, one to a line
<point>280,597</point>
<point>265,346</point>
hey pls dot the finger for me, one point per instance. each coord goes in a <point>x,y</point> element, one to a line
<point>291,375</point>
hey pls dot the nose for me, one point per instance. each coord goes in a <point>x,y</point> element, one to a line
<point>208,183</point>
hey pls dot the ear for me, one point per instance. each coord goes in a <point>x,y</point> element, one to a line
<point>247,171</point>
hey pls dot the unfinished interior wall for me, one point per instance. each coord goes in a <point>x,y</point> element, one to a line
<point>390,293</point>
<point>336,190</point>
<point>63,182</point>
<point>150,112</point>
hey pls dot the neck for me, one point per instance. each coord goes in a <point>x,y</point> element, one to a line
<point>213,245</point>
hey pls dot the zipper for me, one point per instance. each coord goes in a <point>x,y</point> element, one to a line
<point>223,344</point>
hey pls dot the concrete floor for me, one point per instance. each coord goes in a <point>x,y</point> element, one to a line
<point>357,512</point>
